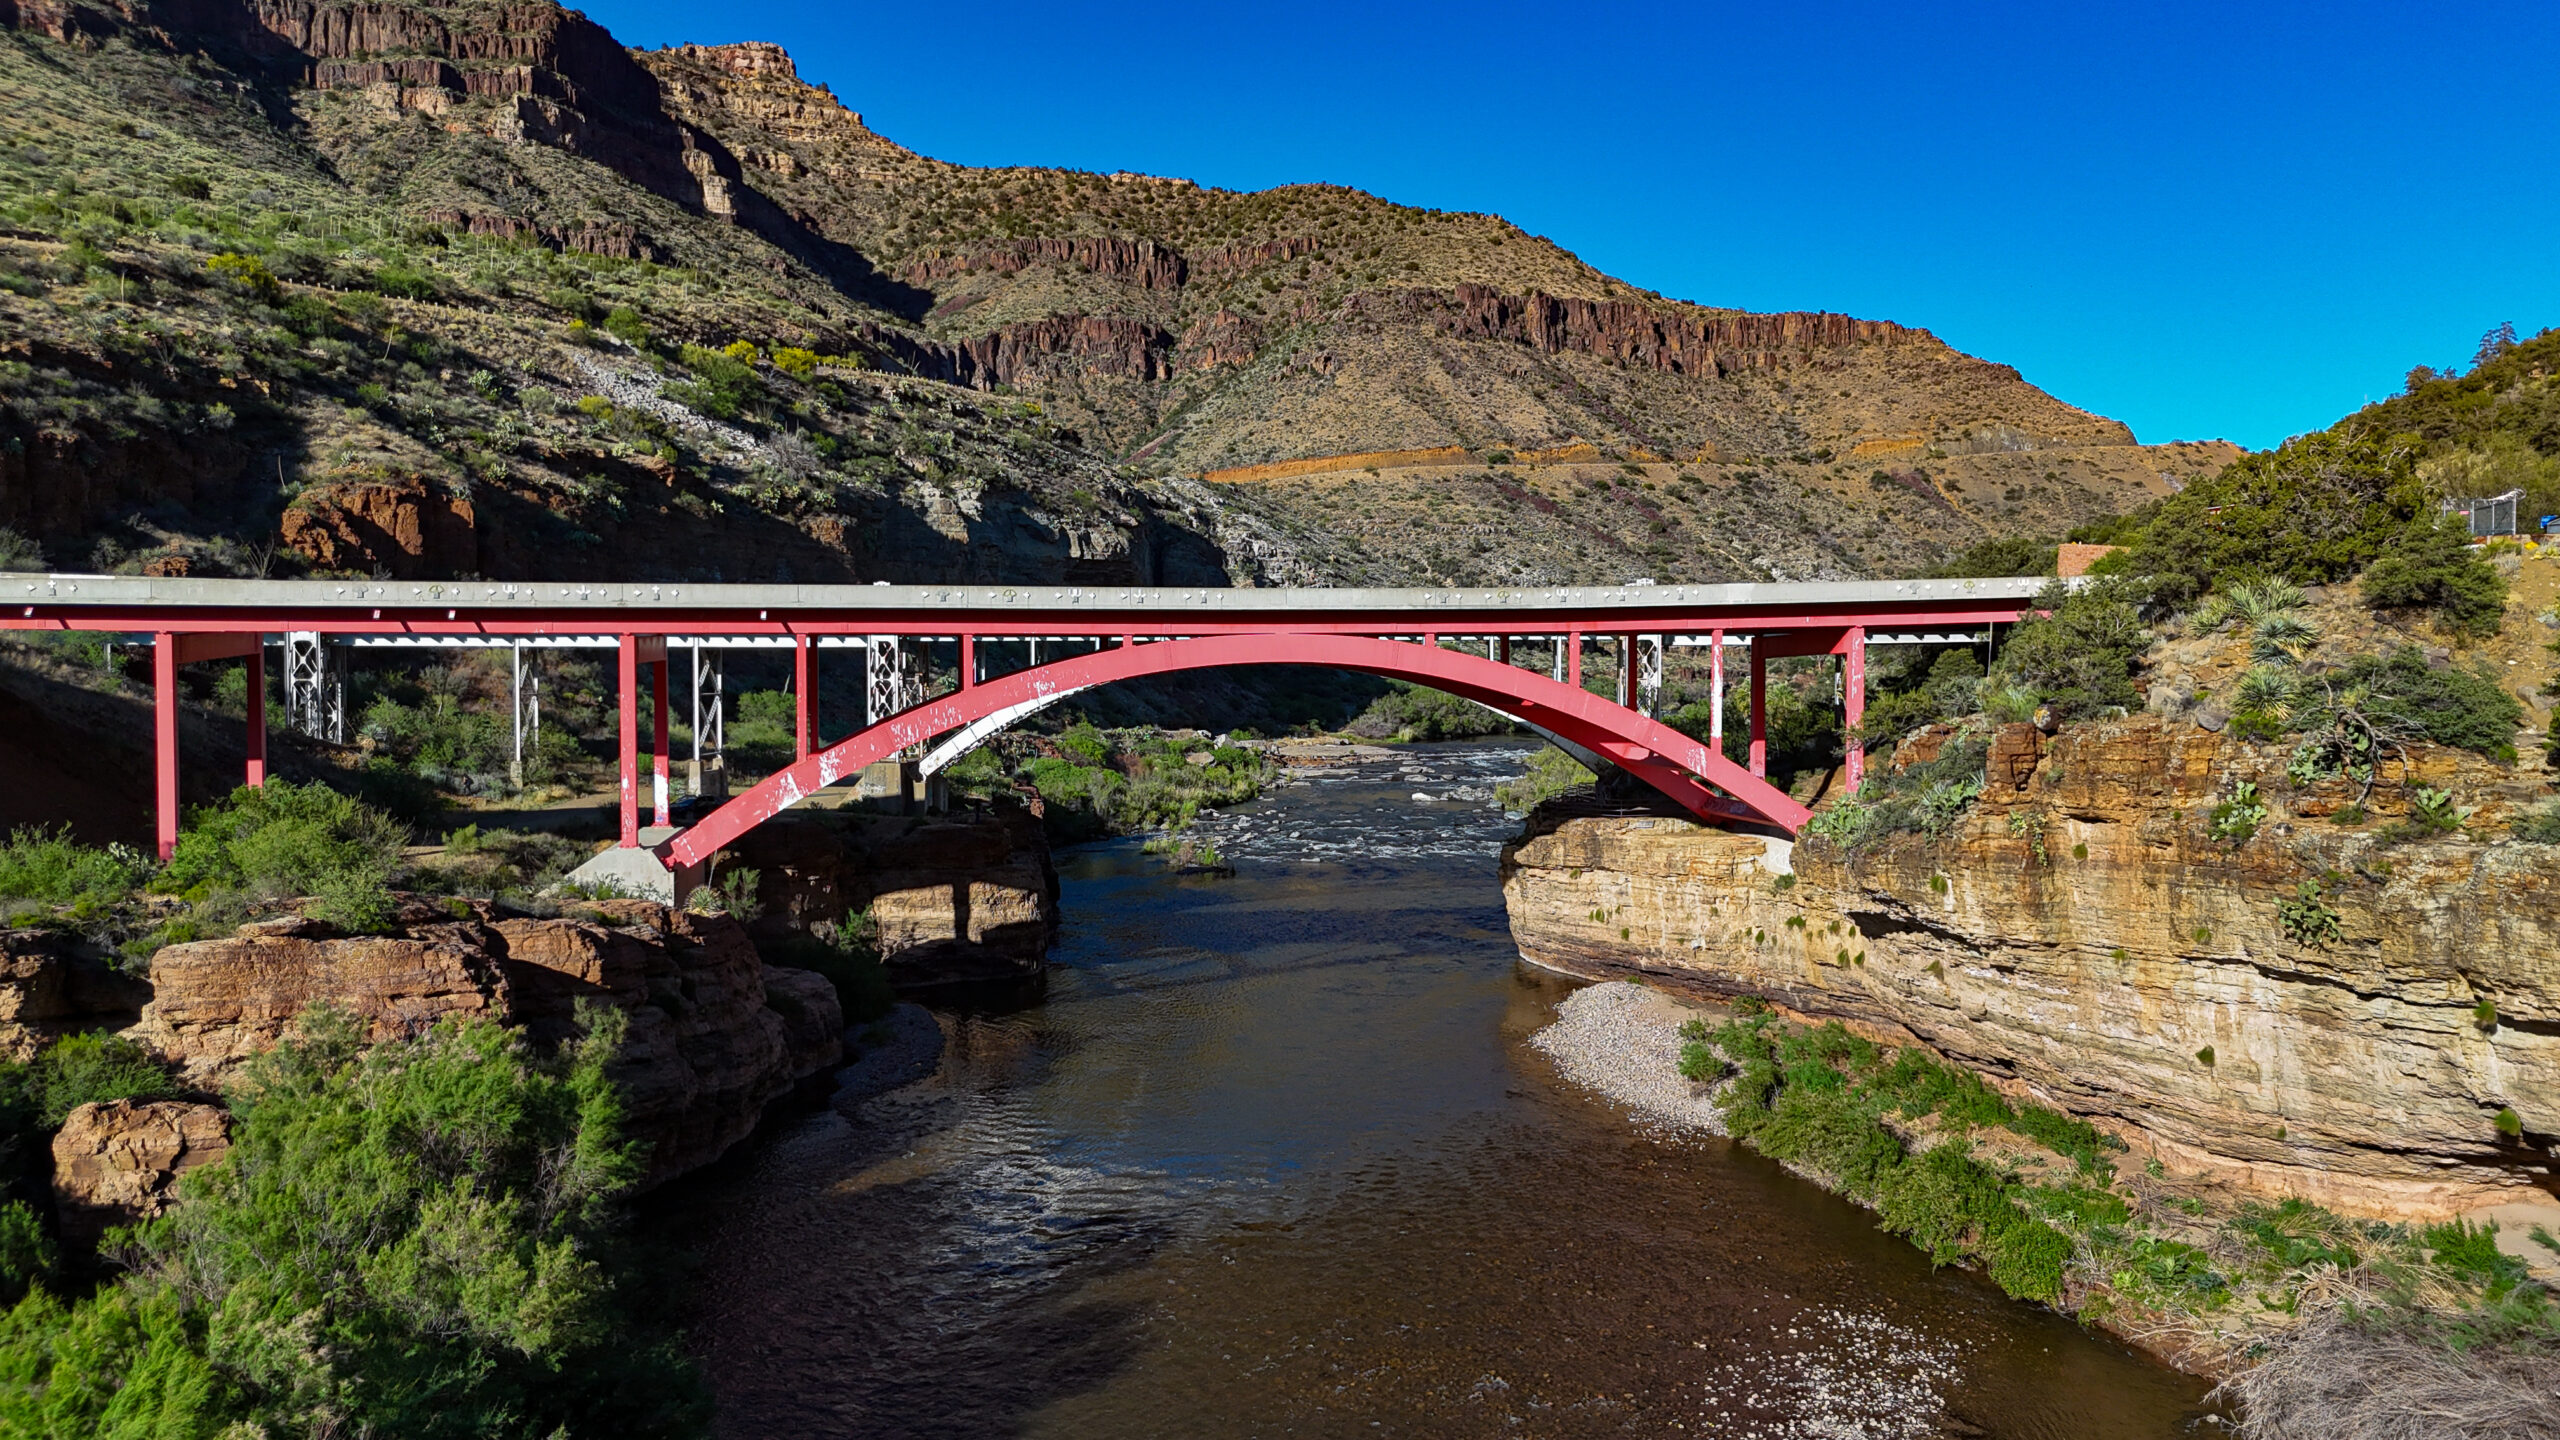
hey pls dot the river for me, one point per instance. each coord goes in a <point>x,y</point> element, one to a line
<point>1274,1159</point>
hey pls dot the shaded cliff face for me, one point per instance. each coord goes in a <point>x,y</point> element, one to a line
<point>2141,973</point>
<point>957,899</point>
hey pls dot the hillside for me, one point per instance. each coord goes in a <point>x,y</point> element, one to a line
<point>469,289</point>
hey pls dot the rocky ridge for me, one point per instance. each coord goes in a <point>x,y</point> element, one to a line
<point>1061,350</point>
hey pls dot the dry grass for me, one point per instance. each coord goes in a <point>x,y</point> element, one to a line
<point>2335,1379</point>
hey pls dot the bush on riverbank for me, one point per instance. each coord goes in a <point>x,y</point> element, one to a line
<point>1410,713</point>
<point>416,1238</point>
<point>1820,1098</point>
<point>1959,1169</point>
<point>1551,773</point>
<point>1094,783</point>
<point>848,955</point>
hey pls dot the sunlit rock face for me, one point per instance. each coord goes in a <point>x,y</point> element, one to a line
<point>2081,937</point>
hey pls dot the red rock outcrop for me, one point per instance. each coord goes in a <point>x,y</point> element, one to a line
<point>407,528</point>
<point>612,240</point>
<point>117,1162</point>
<point>2082,938</point>
<point>215,1003</point>
<point>1686,342</point>
<point>1142,262</point>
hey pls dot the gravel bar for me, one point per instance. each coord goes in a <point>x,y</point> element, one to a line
<point>1622,1040</point>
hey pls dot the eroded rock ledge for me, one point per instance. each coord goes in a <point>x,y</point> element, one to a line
<point>2139,973</point>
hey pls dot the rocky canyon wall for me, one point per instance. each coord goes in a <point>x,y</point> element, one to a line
<point>2079,936</point>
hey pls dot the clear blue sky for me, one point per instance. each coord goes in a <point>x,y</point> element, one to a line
<point>2208,220</point>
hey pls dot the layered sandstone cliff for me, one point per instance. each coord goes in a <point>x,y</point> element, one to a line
<point>2081,936</point>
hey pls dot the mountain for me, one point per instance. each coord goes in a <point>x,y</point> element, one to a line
<point>468,288</point>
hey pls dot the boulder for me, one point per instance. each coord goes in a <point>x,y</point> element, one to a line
<point>957,898</point>
<point>117,1162</point>
<point>215,1003</point>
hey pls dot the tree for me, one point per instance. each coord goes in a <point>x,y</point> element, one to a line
<point>2078,656</point>
<point>2314,511</point>
<point>2433,569</point>
<point>2494,344</point>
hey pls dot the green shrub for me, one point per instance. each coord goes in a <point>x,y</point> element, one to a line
<point>17,552</point>
<point>2078,658</point>
<point>1948,690</point>
<point>723,384</point>
<point>2236,820</point>
<point>26,1256</point>
<point>2000,558</point>
<point>2316,510</point>
<point>2464,708</point>
<point>849,956</point>
<point>412,1238</point>
<point>77,1070</point>
<point>404,282</point>
<point>2433,568</point>
<point>2540,825</point>
<point>49,867</point>
<point>1418,713</point>
<point>625,324</point>
<point>1083,742</point>
<point>1551,773</point>
<point>281,841</point>
<point>2305,920</point>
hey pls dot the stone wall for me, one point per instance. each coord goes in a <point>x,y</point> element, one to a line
<point>2137,971</point>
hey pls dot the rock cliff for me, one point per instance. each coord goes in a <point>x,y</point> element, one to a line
<point>714,1034</point>
<point>2387,1042</point>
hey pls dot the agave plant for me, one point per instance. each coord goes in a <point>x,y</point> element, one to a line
<point>2281,638</point>
<point>2268,691</point>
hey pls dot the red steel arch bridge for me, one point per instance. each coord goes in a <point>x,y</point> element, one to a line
<point>948,666</point>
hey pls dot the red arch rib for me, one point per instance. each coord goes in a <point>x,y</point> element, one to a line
<point>1648,749</point>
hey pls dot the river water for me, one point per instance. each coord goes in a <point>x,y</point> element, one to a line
<point>1274,1159</point>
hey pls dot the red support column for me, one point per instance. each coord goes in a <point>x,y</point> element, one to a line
<point>1759,711</point>
<point>804,675</point>
<point>1853,700</point>
<point>628,665</point>
<point>1715,681</point>
<point>1573,659</point>
<point>968,662</point>
<point>164,737</point>
<point>659,740</point>
<point>1505,655</point>
<point>257,734</point>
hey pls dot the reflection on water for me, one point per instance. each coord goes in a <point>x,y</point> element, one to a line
<point>1273,1159</point>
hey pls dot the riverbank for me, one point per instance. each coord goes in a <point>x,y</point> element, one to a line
<point>2217,1285</point>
